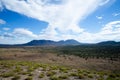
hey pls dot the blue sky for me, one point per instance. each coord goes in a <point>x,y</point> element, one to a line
<point>88,21</point>
<point>14,20</point>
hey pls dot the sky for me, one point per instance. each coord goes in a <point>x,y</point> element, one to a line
<point>87,21</point>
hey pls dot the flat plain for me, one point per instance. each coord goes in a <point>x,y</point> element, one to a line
<point>58,63</point>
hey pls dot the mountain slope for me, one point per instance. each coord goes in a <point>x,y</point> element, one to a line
<point>61,43</point>
<point>109,43</point>
<point>50,42</point>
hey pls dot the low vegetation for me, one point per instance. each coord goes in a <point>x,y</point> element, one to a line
<point>59,73</point>
<point>60,63</point>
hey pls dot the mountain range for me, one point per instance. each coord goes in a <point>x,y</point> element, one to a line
<point>61,43</point>
<point>50,42</point>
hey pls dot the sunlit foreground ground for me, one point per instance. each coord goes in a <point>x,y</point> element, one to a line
<point>36,64</point>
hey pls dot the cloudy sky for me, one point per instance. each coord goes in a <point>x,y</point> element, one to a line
<point>88,21</point>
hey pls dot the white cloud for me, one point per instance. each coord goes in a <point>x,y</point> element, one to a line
<point>104,2</point>
<point>2,21</point>
<point>24,32</point>
<point>99,17</point>
<point>111,28</point>
<point>63,19</point>
<point>116,14</point>
<point>111,31</point>
<point>18,36</point>
<point>1,6</point>
<point>8,35</point>
<point>6,29</point>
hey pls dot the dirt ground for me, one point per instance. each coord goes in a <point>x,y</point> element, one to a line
<point>53,58</point>
<point>28,64</point>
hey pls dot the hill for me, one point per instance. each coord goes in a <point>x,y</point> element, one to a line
<point>109,43</point>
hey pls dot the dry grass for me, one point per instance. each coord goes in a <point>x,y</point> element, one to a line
<point>45,66</point>
<point>26,54</point>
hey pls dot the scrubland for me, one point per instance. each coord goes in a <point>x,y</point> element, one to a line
<point>58,63</point>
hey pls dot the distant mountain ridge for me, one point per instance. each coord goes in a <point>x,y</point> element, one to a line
<point>69,42</point>
<point>50,42</point>
<point>109,43</point>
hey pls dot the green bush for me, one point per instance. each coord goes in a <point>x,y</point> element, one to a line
<point>30,74</point>
<point>54,67</point>
<point>63,77</point>
<point>30,69</point>
<point>109,78</point>
<point>62,69</point>
<point>73,74</point>
<point>90,76</point>
<point>80,76</point>
<point>5,75</point>
<point>16,77</point>
<point>54,78</point>
<point>24,73</point>
<point>80,71</point>
<point>17,69</point>
<point>29,78</point>
<point>50,73</point>
<point>41,75</point>
<point>112,75</point>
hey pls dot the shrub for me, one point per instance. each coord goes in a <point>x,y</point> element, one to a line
<point>73,74</point>
<point>117,75</point>
<point>54,78</point>
<point>30,69</point>
<point>90,76</point>
<point>41,75</point>
<point>17,69</point>
<point>29,78</point>
<point>16,77</point>
<point>24,73</point>
<point>30,74</point>
<point>109,78</point>
<point>63,77</point>
<point>80,71</point>
<point>65,70</point>
<point>43,69</point>
<point>50,73</point>
<point>85,74</point>
<point>112,75</point>
<point>53,67</point>
<point>5,75</point>
<point>80,76</point>
<point>100,78</point>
